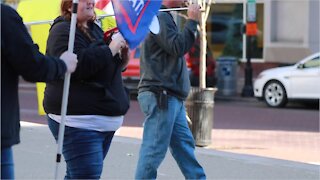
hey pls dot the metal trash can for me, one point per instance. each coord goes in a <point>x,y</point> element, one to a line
<point>199,105</point>
<point>227,76</point>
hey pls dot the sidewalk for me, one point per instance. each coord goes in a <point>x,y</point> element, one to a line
<point>35,159</point>
<point>300,147</point>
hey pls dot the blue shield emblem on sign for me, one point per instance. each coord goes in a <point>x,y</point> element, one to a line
<point>134,18</point>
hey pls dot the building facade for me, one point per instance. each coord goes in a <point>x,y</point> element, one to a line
<point>288,30</point>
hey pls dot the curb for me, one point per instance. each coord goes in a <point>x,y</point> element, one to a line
<point>238,98</point>
<point>27,86</point>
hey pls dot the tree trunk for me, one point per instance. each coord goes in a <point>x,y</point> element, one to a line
<point>205,7</point>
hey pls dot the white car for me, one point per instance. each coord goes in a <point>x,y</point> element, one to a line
<point>297,82</point>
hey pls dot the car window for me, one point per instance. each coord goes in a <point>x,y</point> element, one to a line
<point>315,62</point>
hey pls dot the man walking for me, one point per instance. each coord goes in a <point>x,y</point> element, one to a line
<point>164,85</point>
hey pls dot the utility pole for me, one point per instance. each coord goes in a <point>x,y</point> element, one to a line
<point>251,32</point>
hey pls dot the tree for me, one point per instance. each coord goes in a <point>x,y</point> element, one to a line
<point>205,6</point>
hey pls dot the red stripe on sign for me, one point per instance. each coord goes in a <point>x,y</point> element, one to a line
<point>101,4</point>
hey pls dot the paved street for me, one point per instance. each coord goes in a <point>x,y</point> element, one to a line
<point>35,159</point>
<point>241,125</point>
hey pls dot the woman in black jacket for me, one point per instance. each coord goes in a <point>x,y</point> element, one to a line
<point>19,56</point>
<point>97,98</point>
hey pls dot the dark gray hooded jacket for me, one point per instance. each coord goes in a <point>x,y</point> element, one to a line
<point>162,63</point>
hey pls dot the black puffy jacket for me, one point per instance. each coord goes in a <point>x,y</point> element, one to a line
<point>96,86</point>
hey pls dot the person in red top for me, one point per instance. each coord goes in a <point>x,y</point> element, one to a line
<point>193,63</point>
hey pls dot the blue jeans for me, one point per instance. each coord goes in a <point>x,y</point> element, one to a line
<point>83,150</point>
<point>7,166</point>
<point>163,129</point>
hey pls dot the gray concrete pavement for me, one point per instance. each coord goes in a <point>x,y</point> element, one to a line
<point>35,159</point>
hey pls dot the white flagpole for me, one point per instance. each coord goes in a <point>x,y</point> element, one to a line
<point>66,87</point>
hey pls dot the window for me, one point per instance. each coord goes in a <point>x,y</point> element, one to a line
<point>225,28</point>
<point>314,63</point>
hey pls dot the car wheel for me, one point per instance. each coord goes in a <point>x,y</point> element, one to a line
<point>274,94</point>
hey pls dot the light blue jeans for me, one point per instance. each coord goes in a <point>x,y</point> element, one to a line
<point>83,150</point>
<point>163,129</point>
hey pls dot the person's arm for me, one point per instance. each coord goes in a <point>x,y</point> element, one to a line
<point>22,54</point>
<point>171,40</point>
<point>124,57</point>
